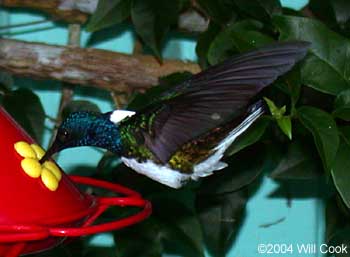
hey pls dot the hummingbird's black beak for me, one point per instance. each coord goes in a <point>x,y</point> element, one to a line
<point>54,148</point>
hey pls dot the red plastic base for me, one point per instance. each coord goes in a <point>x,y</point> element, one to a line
<point>18,239</point>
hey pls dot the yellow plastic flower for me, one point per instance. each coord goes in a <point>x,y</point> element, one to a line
<point>48,171</point>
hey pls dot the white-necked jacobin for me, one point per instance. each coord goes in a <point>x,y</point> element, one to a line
<point>184,134</point>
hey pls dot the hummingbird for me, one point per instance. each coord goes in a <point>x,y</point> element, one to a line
<point>184,133</point>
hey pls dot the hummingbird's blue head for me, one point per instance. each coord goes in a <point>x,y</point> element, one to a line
<point>86,129</point>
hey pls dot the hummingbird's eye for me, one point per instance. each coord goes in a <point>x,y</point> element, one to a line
<point>63,135</point>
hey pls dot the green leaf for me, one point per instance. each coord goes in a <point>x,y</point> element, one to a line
<point>109,13</point>
<point>26,108</point>
<point>325,68</point>
<point>334,219</point>
<point>293,81</point>
<point>291,84</point>
<point>204,42</point>
<point>79,105</point>
<point>182,230</point>
<point>324,130</point>
<point>259,9</point>
<point>3,91</point>
<point>237,37</point>
<point>276,112</point>
<point>6,81</point>
<point>152,19</point>
<point>171,228</point>
<point>342,105</point>
<point>285,125</point>
<point>141,240</point>
<point>99,251</point>
<point>341,10</point>
<point>221,11</point>
<point>299,162</point>
<point>315,98</point>
<point>340,172</point>
<point>249,137</point>
<point>220,217</point>
<point>337,224</point>
<point>284,122</point>
<point>335,13</point>
<point>341,166</point>
<point>324,11</point>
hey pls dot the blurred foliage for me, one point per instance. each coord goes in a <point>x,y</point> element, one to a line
<point>306,137</point>
<point>25,106</point>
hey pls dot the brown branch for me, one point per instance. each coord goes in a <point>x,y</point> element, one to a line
<point>84,66</point>
<point>78,11</point>
<point>51,7</point>
<point>121,99</point>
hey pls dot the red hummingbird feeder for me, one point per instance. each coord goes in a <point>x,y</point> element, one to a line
<point>36,215</point>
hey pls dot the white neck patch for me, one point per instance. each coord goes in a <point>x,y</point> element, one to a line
<point>119,115</point>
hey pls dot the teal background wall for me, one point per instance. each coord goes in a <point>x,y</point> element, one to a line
<point>302,222</point>
<point>294,4</point>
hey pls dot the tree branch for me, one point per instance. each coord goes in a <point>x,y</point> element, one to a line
<point>78,11</point>
<point>91,67</point>
<point>54,8</point>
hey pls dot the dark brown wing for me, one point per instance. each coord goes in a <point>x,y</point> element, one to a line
<point>214,95</point>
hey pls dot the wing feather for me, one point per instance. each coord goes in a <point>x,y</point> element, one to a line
<point>215,95</point>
